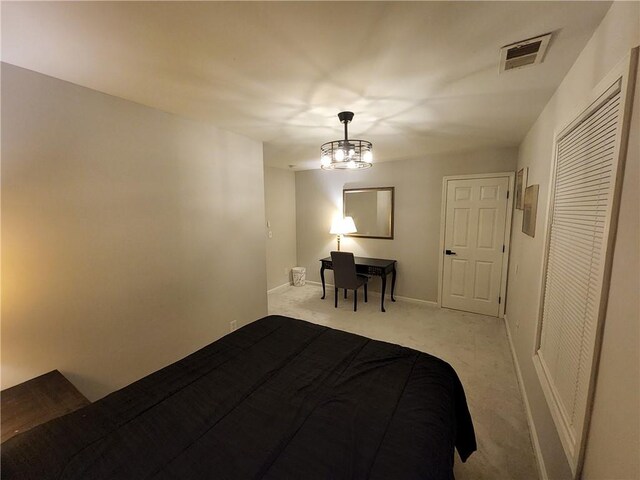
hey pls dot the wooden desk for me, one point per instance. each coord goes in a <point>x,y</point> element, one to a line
<point>367,266</point>
<point>37,401</point>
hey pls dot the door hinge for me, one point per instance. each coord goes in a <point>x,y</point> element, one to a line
<point>507,194</point>
<point>499,300</point>
<point>502,248</point>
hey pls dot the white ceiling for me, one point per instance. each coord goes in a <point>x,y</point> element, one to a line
<point>421,77</point>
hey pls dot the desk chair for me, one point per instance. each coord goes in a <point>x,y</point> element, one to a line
<point>345,276</point>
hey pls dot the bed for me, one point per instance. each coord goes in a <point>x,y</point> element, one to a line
<point>278,399</point>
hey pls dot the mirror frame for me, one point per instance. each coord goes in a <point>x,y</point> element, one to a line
<point>377,189</point>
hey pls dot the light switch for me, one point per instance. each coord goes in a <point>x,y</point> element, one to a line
<point>268,224</point>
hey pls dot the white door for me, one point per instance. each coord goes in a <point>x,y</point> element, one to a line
<point>475,221</point>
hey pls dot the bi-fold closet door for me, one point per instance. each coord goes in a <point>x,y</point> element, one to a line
<point>585,187</point>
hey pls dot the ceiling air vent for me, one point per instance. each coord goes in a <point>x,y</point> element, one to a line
<point>524,53</point>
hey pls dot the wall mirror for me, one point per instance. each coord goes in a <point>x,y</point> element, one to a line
<point>371,210</point>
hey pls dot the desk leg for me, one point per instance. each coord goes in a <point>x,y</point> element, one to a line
<point>384,287</point>
<point>393,283</point>
<point>322,277</point>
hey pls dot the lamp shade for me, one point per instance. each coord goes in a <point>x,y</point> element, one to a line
<point>348,226</point>
<point>342,226</point>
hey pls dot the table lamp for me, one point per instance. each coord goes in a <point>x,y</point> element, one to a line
<point>342,226</point>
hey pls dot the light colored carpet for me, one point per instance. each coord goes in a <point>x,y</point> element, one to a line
<point>475,345</point>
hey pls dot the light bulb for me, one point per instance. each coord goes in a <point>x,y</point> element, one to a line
<point>352,152</point>
<point>339,155</point>
<point>325,160</point>
<point>368,156</point>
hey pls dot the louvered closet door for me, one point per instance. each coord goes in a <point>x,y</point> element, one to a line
<point>586,164</point>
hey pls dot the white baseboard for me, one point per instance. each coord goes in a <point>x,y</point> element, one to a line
<point>278,288</point>
<point>542,470</point>
<point>377,294</point>
<point>416,300</point>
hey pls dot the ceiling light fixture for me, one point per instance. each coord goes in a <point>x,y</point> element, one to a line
<point>346,154</point>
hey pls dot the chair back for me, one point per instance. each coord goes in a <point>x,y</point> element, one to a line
<point>344,270</point>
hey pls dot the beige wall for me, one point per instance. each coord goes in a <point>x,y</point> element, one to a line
<point>130,237</point>
<point>613,442</point>
<point>280,208</point>
<point>418,198</point>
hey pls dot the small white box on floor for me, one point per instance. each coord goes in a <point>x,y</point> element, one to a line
<point>299,276</point>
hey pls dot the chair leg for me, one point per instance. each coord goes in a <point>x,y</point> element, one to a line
<point>355,300</point>
<point>365,293</point>
<point>335,296</point>
<point>345,293</point>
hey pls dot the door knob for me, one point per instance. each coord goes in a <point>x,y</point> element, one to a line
<point>449,252</point>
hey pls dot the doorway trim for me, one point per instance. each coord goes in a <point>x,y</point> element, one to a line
<point>507,231</point>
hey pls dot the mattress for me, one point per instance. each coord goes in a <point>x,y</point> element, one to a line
<point>279,398</point>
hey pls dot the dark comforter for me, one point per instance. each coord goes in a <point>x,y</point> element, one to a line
<point>279,398</point>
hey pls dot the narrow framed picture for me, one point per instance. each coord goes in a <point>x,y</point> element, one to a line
<point>521,185</point>
<point>530,210</point>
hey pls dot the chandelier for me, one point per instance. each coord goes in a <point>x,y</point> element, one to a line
<point>346,154</point>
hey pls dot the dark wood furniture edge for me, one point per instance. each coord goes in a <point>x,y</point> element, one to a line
<point>37,401</point>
